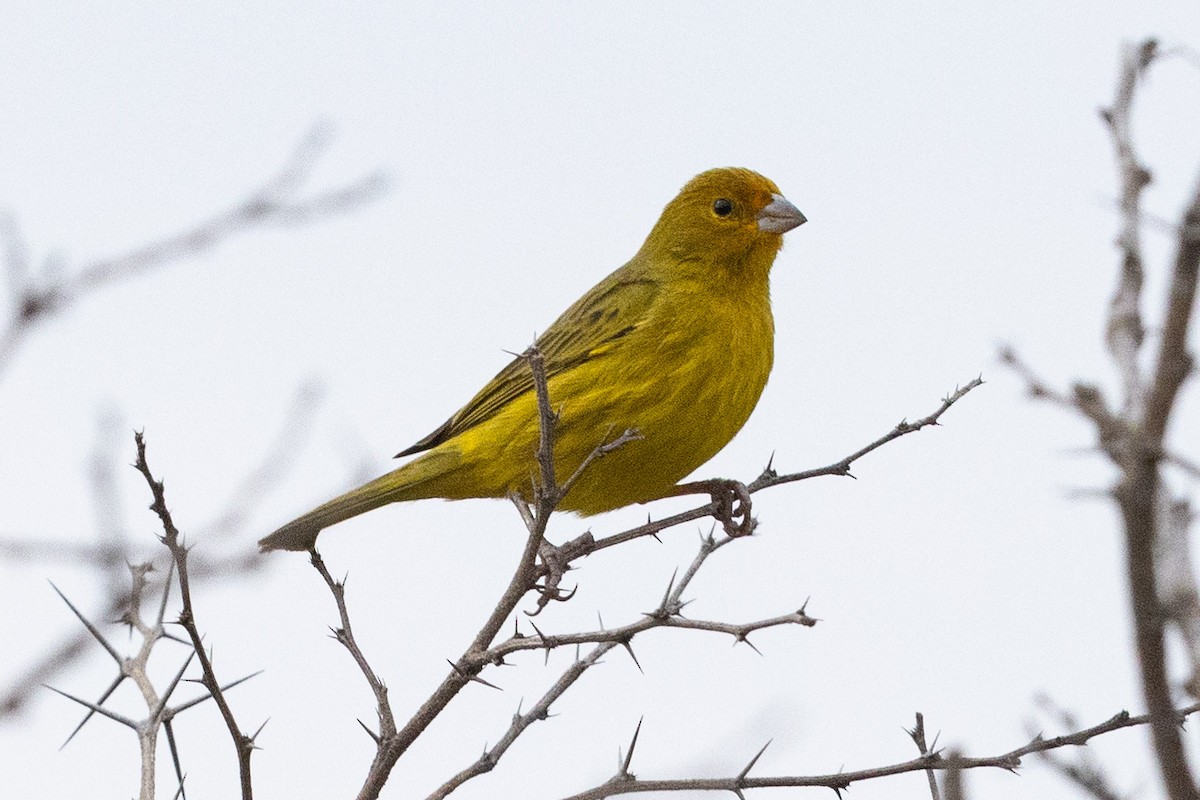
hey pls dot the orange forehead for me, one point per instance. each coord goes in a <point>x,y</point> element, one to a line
<point>736,183</point>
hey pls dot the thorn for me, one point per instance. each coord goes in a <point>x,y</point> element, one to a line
<point>108,692</point>
<point>629,649</point>
<point>370,732</point>
<point>746,640</point>
<point>114,716</point>
<point>92,629</point>
<point>746,771</point>
<point>624,773</point>
<point>254,735</point>
<point>662,606</point>
<point>478,679</point>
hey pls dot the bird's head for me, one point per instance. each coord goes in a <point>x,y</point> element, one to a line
<point>730,216</point>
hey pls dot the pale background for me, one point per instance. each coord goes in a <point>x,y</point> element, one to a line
<point>959,188</point>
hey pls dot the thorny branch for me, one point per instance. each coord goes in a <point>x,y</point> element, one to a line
<point>668,614</point>
<point>243,743</point>
<point>135,669</point>
<point>626,783</point>
<point>918,736</point>
<point>586,544</point>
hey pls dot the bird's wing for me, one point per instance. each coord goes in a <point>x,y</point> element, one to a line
<point>612,310</point>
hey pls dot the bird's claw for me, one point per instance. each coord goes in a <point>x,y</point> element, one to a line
<point>733,507</point>
<point>556,567</point>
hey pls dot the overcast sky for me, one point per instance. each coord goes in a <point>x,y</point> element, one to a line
<point>960,194</point>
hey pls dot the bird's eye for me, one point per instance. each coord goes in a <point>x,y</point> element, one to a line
<point>722,207</point>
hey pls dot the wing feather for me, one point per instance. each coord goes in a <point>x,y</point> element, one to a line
<point>612,310</point>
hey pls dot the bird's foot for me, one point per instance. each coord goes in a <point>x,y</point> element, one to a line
<point>732,499</point>
<point>557,563</point>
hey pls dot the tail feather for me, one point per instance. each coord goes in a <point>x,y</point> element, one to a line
<point>398,485</point>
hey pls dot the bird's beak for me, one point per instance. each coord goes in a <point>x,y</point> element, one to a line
<point>780,216</point>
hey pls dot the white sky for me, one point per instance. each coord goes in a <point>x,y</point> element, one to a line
<point>959,190</point>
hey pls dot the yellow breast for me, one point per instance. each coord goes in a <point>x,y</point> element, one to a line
<point>687,381</point>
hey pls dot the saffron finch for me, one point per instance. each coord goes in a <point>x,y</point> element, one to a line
<point>676,344</point>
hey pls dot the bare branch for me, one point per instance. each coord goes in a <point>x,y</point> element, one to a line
<point>1125,329</point>
<point>1133,437</point>
<point>1138,492</point>
<point>839,781</point>
<point>243,744</point>
<point>918,736</point>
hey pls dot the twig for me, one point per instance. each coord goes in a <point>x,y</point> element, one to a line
<point>243,744</point>
<point>1084,772</point>
<point>540,711</point>
<point>345,636</point>
<point>918,736</point>
<point>840,781</point>
<point>668,614</point>
<point>769,479</point>
<point>135,669</point>
<point>1125,329</point>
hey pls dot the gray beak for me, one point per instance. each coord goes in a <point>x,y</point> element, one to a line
<point>780,216</point>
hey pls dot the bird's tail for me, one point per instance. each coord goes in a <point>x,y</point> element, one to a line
<point>404,483</point>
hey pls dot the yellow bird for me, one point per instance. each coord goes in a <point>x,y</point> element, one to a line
<point>676,344</point>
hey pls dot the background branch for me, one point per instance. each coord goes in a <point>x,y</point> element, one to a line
<point>35,298</point>
<point>839,781</point>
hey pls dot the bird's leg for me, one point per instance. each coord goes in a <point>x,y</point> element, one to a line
<point>733,503</point>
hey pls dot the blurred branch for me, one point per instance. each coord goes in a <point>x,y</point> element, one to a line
<point>276,202</point>
<point>1162,586</point>
<point>1125,329</point>
<point>1138,492</point>
<point>272,467</point>
<point>626,783</point>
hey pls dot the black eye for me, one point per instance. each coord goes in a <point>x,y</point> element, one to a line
<point>722,207</point>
